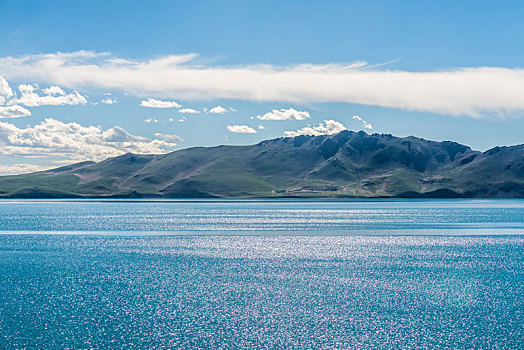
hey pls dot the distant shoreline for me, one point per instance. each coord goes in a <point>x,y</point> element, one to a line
<point>254,200</point>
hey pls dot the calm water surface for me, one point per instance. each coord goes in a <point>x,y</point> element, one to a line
<point>239,274</point>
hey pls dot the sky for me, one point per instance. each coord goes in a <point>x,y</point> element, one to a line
<point>95,79</point>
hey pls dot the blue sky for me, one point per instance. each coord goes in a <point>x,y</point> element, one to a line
<point>442,70</point>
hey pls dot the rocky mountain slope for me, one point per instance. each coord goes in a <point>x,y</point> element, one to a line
<point>348,164</point>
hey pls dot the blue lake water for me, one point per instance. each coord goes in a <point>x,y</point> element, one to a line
<point>262,274</point>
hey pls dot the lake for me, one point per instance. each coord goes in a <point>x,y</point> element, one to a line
<point>262,274</point>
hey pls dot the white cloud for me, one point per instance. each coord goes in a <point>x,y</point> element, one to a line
<point>53,138</point>
<point>231,109</point>
<point>285,114</point>
<point>330,127</point>
<point>218,110</point>
<point>152,103</point>
<point>241,129</point>
<point>188,111</point>
<point>183,119</point>
<point>15,169</point>
<point>474,91</point>
<point>169,137</point>
<point>31,98</point>
<point>54,90</point>
<point>261,127</point>
<point>108,101</point>
<point>53,96</point>
<point>14,112</point>
<point>151,120</point>
<point>365,124</point>
<point>5,90</point>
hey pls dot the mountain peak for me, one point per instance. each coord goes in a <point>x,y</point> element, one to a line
<point>347,164</point>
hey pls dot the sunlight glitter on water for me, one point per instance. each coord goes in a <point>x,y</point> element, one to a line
<point>259,291</point>
<point>290,274</point>
<point>292,216</point>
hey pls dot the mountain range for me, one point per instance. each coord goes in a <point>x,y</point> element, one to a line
<point>347,164</point>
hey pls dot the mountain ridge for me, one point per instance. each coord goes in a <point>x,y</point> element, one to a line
<point>347,164</point>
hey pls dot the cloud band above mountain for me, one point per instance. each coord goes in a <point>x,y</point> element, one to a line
<point>474,92</point>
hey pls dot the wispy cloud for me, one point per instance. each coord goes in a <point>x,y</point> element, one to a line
<point>285,114</point>
<point>474,91</point>
<point>14,112</point>
<point>365,124</point>
<point>329,127</point>
<point>53,138</point>
<point>241,129</point>
<point>153,103</point>
<point>151,120</point>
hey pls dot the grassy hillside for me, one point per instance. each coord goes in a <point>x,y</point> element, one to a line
<point>348,164</point>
